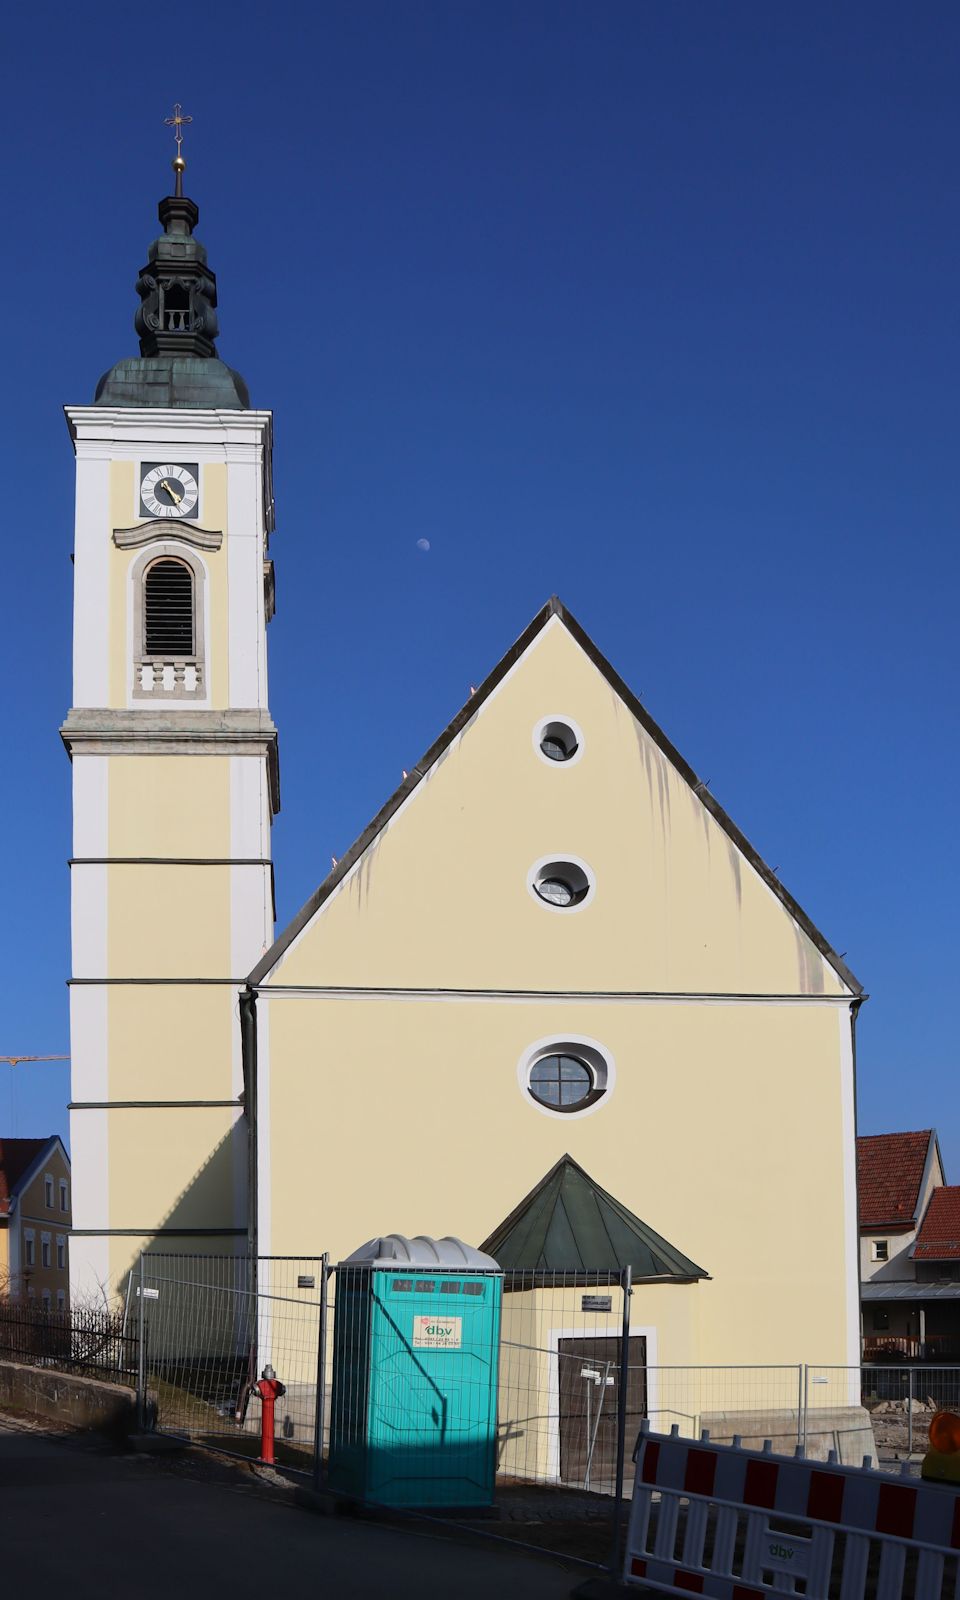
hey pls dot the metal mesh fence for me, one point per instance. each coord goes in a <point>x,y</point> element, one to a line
<point>900,1401</point>
<point>441,1390</point>
<point>561,1377</point>
<point>210,1324</point>
<point>754,1403</point>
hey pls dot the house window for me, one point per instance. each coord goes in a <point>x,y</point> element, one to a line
<point>46,1299</point>
<point>881,1249</point>
<point>938,1271</point>
<point>48,1191</point>
<point>881,1321</point>
<point>45,1250</point>
<point>64,1196</point>
<point>29,1248</point>
<point>61,1252</point>
<point>61,1300</point>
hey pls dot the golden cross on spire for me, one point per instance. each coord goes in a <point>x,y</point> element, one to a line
<point>178,122</point>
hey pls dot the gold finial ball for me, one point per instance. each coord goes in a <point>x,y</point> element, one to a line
<point>178,164</point>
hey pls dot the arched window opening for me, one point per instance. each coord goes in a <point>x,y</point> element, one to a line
<point>168,610</point>
<point>176,308</point>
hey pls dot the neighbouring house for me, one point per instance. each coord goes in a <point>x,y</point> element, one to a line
<point>909,1249</point>
<point>35,1216</point>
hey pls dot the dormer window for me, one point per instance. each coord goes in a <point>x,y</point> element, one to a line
<point>168,624</point>
<point>881,1250</point>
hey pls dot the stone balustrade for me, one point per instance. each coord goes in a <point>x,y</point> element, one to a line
<point>176,680</point>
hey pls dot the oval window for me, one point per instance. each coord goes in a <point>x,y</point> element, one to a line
<point>560,884</point>
<point>558,741</point>
<point>556,891</point>
<point>566,1076</point>
<point>563,1083</point>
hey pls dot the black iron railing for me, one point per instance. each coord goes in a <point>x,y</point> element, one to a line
<point>93,1343</point>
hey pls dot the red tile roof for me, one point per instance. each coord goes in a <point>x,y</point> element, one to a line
<point>16,1158</point>
<point>889,1172</point>
<point>939,1236</point>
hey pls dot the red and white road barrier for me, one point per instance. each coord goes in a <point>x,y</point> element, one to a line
<point>756,1524</point>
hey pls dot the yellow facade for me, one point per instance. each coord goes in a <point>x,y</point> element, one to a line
<point>393,1029</point>
<point>676,908</point>
<point>172,809</point>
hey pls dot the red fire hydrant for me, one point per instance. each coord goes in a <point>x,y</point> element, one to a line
<point>269,1389</point>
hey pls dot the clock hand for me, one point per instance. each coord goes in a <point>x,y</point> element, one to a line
<point>171,491</point>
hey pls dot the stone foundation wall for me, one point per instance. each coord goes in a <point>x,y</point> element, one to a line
<point>62,1397</point>
<point>845,1429</point>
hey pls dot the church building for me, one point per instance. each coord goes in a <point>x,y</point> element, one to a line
<point>552,1001</point>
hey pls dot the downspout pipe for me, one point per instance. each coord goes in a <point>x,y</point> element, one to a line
<point>248,1051</point>
<point>248,1054</point>
<point>854,1012</point>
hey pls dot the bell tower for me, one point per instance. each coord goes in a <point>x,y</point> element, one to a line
<point>175,775</point>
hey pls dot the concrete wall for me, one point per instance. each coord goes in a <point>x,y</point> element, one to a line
<point>74,1401</point>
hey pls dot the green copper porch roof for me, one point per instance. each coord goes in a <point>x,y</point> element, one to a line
<point>569,1224</point>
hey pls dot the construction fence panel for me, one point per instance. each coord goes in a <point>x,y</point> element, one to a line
<point>899,1400</point>
<point>210,1325</point>
<point>754,1403</point>
<point>562,1399</point>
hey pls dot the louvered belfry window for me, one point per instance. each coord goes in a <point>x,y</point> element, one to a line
<point>168,610</point>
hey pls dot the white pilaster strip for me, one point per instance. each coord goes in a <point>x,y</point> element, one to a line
<point>91,792</point>
<point>88,922</point>
<point>91,582</point>
<point>247,678</point>
<point>264,1163</point>
<point>851,1228</point>
<point>89,1068</point>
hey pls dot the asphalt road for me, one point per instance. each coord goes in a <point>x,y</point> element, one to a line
<point>77,1519</point>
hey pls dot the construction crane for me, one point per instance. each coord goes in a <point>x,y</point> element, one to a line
<point>16,1061</point>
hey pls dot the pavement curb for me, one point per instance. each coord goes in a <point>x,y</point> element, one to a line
<point>156,1444</point>
<point>316,1500</point>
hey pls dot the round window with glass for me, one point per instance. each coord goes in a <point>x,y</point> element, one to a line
<point>563,1083</point>
<point>560,884</point>
<point>557,740</point>
<point>558,744</point>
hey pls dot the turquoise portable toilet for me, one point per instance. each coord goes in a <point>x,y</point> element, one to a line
<point>416,1341</point>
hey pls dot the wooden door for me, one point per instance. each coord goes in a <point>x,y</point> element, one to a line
<point>589,1389</point>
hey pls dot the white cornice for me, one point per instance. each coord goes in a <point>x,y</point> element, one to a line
<point>128,428</point>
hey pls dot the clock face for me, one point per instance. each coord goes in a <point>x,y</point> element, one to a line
<point>168,490</point>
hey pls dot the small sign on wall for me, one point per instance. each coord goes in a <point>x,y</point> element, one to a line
<point>596,1302</point>
<point>437,1333</point>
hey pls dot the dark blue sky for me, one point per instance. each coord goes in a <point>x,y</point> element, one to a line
<point>650,305</point>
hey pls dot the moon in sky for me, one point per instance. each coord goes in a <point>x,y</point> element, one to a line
<point>423,544</point>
